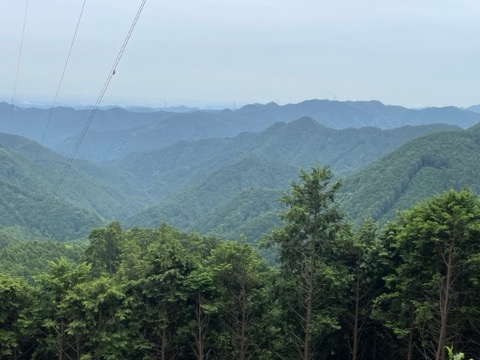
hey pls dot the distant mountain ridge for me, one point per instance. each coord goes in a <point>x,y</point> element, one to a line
<point>115,133</point>
<point>474,108</point>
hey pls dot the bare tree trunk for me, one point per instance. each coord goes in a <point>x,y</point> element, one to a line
<point>163,349</point>
<point>243,326</point>
<point>77,345</point>
<point>355,334</point>
<point>60,340</point>
<point>201,328</point>
<point>308,321</point>
<point>308,311</point>
<point>410,335</point>
<point>444,292</point>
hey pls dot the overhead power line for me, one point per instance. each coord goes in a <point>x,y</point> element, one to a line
<point>18,66</point>
<point>99,100</point>
<point>60,82</point>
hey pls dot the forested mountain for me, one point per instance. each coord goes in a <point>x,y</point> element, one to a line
<point>25,201</point>
<point>299,143</point>
<point>356,114</point>
<point>187,184</point>
<point>238,182</point>
<point>206,176</point>
<point>87,195</point>
<point>419,169</point>
<point>114,133</point>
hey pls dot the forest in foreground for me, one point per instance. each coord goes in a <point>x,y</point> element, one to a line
<point>329,290</point>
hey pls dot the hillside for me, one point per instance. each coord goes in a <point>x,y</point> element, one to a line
<point>213,186</point>
<point>188,206</point>
<point>210,185</point>
<point>88,194</point>
<point>298,143</point>
<point>419,169</point>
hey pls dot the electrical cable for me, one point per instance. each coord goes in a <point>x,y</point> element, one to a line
<point>18,67</point>
<point>99,100</point>
<point>61,81</point>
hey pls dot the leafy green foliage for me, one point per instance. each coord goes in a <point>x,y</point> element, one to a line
<point>313,278</point>
<point>149,293</point>
<point>434,283</point>
<point>15,297</point>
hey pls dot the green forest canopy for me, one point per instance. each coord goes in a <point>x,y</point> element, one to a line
<point>404,291</point>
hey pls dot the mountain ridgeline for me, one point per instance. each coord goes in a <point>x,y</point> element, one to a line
<point>114,133</point>
<point>197,178</point>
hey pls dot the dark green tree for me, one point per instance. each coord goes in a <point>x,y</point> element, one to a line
<point>14,299</point>
<point>313,277</point>
<point>103,311</point>
<point>52,320</point>
<point>204,303</point>
<point>433,292</point>
<point>103,252</point>
<point>161,294</point>
<point>243,279</point>
<point>365,259</point>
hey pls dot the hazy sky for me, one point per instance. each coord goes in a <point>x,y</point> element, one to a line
<point>224,52</point>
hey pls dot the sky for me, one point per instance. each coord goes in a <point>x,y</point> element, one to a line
<point>228,53</point>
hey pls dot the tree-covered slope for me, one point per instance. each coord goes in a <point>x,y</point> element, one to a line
<point>29,258</point>
<point>251,213</point>
<point>256,118</point>
<point>299,143</point>
<point>188,206</point>
<point>25,200</point>
<point>419,169</point>
<point>35,196</point>
<point>105,191</point>
<point>188,184</point>
<point>213,186</point>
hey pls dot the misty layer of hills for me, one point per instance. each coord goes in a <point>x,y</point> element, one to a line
<point>114,133</point>
<point>222,172</point>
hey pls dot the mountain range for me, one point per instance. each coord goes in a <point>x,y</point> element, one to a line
<point>115,133</point>
<point>228,185</point>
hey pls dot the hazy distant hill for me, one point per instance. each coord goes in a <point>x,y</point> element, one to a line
<point>66,124</point>
<point>356,114</point>
<point>419,169</point>
<point>474,108</point>
<point>115,133</point>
